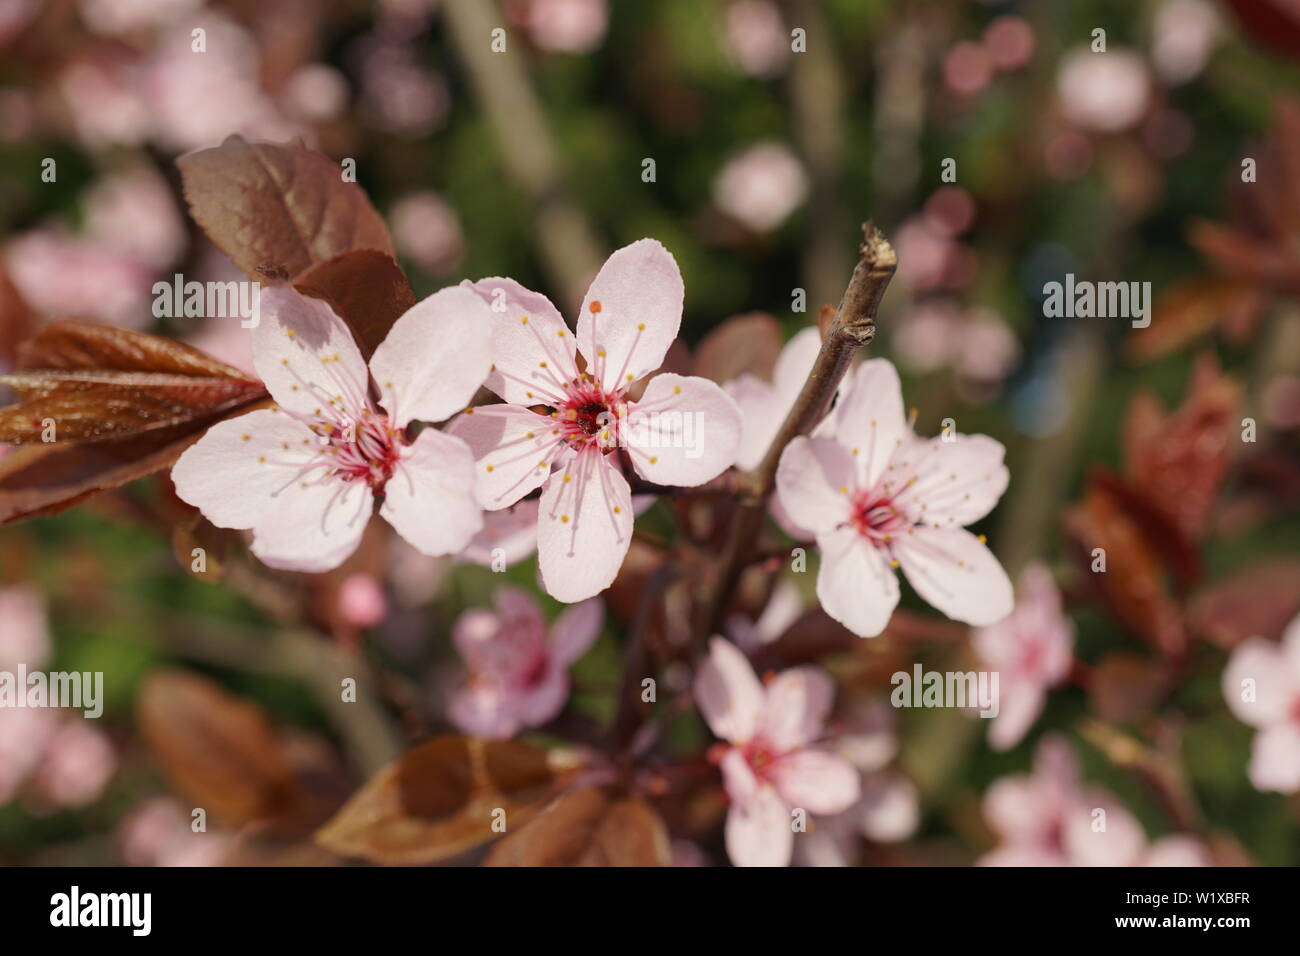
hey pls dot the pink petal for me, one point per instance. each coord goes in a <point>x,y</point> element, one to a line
<point>474,629</point>
<point>519,609</point>
<point>483,710</point>
<point>684,431</point>
<point>855,583</point>
<point>890,808</point>
<point>540,703</point>
<point>584,528</point>
<point>729,696</point>
<point>760,416</point>
<point>1019,705</point>
<point>871,419</point>
<point>513,448</point>
<point>794,364</point>
<point>1019,810</point>
<point>738,777</point>
<point>430,499</point>
<point>435,357</point>
<point>1121,843</point>
<point>816,781</point>
<point>813,481</point>
<point>1275,758</point>
<point>952,570</point>
<point>313,528</point>
<point>797,703</point>
<point>520,347</point>
<point>1178,851</point>
<point>631,314</point>
<point>575,630</point>
<point>234,473</point>
<point>1260,661</point>
<point>759,832</point>
<point>1023,854</point>
<point>959,482</point>
<point>509,534</point>
<point>305,354</point>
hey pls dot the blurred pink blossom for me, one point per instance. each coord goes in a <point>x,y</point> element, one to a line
<point>62,276</point>
<point>770,764</point>
<point>427,231</point>
<point>25,636</point>
<point>783,608</point>
<point>1183,36</point>
<point>967,68</point>
<point>518,667</point>
<point>1009,41</point>
<point>562,26</point>
<point>1050,818</point>
<point>24,734</point>
<point>760,186</point>
<point>764,405</point>
<point>512,530</point>
<point>1262,687</point>
<point>1103,92</point>
<point>158,833</point>
<point>134,212</point>
<point>76,766</point>
<point>315,92</point>
<point>361,601</point>
<point>399,94</point>
<point>104,101</point>
<point>113,17</point>
<point>757,37</point>
<point>1031,649</point>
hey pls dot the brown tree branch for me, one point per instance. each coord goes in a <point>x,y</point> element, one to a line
<point>853,327</point>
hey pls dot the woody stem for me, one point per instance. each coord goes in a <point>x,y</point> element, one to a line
<point>853,327</point>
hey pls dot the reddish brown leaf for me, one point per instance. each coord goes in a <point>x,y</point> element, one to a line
<point>1179,460</point>
<point>587,827</point>
<point>742,344</point>
<point>1272,24</point>
<point>440,799</point>
<point>1193,308</point>
<point>1133,586</point>
<point>278,209</point>
<point>217,750</point>
<point>365,288</point>
<point>1261,600</point>
<point>101,383</point>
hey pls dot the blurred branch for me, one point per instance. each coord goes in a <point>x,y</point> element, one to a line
<point>853,327</point>
<point>1159,768</point>
<point>567,243</point>
<point>816,91</point>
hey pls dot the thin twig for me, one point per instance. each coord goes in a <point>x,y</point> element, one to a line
<point>853,327</point>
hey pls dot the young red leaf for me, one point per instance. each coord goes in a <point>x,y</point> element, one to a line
<point>278,209</point>
<point>365,288</point>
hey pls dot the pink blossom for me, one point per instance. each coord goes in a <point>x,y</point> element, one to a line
<point>783,608</point>
<point>764,405</point>
<point>878,497</point>
<point>518,668</point>
<point>1031,649</point>
<point>114,17</point>
<point>1103,92</point>
<point>316,92</point>
<point>1010,41</point>
<point>682,431</point>
<point>24,734</point>
<point>25,636</point>
<point>159,833</point>
<point>427,231</point>
<point>760,186</point>
<point>134,212</point>
<point>1050,818</point>
<point>508,536</point>
<point>104,103</point>
<point>1183,36</point>
<point>61,275</point>
<point>303,476</point>
<point>757,37</point>
<point>564,26</point>
<point>1262,687</point>
<point>361,601</point>
<point>77,764</point>
<point>771,767</point>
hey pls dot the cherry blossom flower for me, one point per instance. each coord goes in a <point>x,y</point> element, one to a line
<point>76,766</point>
<point>1031,649</point>
<point>158,833</point>
<point>1050,818</point>
<point>361,600</point>
<point>888,808</point>
<point>783,608</point>
<point>508,536</point>
<point>682,431</point>
<point>1262,687</point>
<point>518,668</point>
<point>25,637</point>
<point>304,476</point>
<point>562,26</point>
<point>60,274</point>
<point>756,37</point>
<point>877,497</point>
<point>1103,92</point>
<point>770,766</point>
